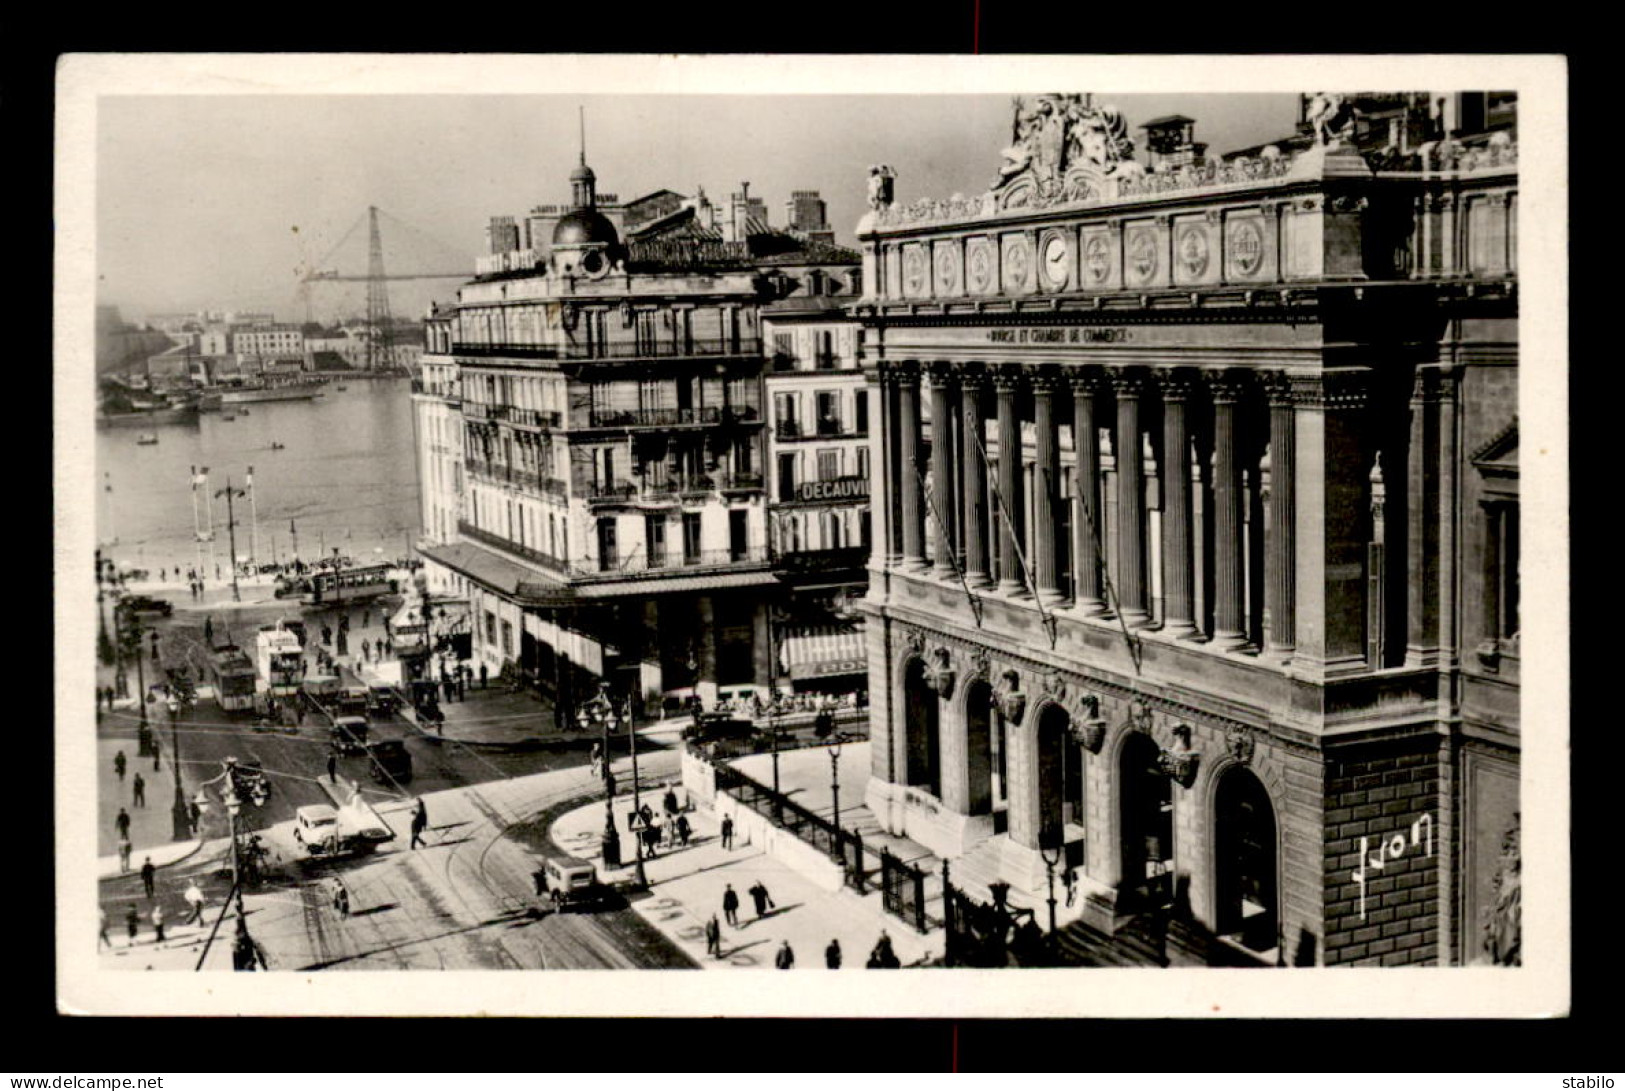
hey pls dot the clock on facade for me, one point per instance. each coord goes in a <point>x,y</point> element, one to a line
<point>1057,258</point>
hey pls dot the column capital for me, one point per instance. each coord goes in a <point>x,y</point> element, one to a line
<point>1343,389</point>
<point>906,373</point>
<point>1175,383</point>
<point>1226,384</point>
<point>940,374</point>
<point>1425,386</point>
<point>1277,387</point>
<point>1126,381</point>
<point>1043,379</point>
<point>1085,380</point>
<point>1007,380</point>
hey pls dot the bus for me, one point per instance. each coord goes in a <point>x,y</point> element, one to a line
<point>279,660</point>
<point>346,585</point>
<point>234,677</point>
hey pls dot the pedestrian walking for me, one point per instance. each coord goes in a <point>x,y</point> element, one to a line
<point>149,876</point>
<point>763,900</point>
<point>194,898</point>
<point>683,830</point>
<point>332,767</point>
<point>485,675</point>
<point>730,906</point>
<point>102,934</point>
<point>832,955</point>
<point>138,788</point>
<point>124,848</point>
<point>786,958</point>
<point>158,922</point>
<point>122,824</point>
<point>366,648</point>
<point>120,763</point>
<point>669,804</point>
<point>420,822</point>
<point>651,838</point>
<point>713,935</point>
<point>883,957</point>
<point>193,813</point>
<point>341,897</point>
<point>158,746</point>
<point>1069,878</point>
<point>727,831</point>
<point>208,631</point>
<point>132,922</point>
<point>597,756</point>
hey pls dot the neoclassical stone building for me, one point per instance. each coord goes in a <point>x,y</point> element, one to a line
<point>1195,540</point>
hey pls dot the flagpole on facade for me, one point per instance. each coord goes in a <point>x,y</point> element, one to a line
<point>253,525</point>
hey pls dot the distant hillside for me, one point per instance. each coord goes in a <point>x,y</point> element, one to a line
<point>121,350</point>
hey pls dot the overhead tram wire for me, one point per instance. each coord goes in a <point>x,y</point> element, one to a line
<point>1044,615</point>
<point>1112,601</point>
<point>931,502</point>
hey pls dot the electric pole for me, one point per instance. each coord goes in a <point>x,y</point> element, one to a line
<point>231,532</point>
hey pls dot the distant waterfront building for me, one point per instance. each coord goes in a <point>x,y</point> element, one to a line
<point>271,341</point>
<point>1195,560</point>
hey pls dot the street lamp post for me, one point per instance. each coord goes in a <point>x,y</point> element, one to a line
<point>632,734</point>
<point>835,784</point>
<point>180,820</point>
<point>599,711</point>
<point>231,532</point>
<point>1049,847</point>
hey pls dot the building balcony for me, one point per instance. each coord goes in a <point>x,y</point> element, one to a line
<point>479,411</point>
<point>827,429</point>
<point>810,561</point>
<point>639,564</point>
<point>648,350</point>
<point>497,541</point>
<point>743,482</point>
<point>654,418</point>
<point>498,474</point>
<point>529,418</point>
<point>619,492</point>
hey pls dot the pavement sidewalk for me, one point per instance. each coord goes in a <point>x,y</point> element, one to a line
<point>687,886</point>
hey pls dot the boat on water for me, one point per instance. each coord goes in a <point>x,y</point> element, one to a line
<point>278,392</point>
<point>275,446</point>
<point>228,416</point>
<point>161,413</point>
<point>340,386</point>
<point>146,439</point>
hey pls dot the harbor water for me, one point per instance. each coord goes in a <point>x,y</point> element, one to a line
<point>344,477</point>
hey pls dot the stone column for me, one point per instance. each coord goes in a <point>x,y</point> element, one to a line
<point>1280,550</point>
<point>1422,583</point>
<point>1227,500</point>
<point>1449,528</point>
<point>1178,602</point>
<point>891,474</point>
<point>974,470</point>
<point>1008,509</point>
<point>881,492</point>
<point>1130,498</point>
<point>942,449</point>
<point>909,470</point>
<point>1088,528</point>
<point>1046,487</point>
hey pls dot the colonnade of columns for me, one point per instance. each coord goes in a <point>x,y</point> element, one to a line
<point>1199,425</point>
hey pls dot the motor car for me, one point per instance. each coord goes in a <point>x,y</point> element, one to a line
<point>571,883</point>
<point>390,761</point>
<point>138,605</point>
<point>353,700</point>
<point>719,727</point>
<point>349,734</point>
<point>316,828</point>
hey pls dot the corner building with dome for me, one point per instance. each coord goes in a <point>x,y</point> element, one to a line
<point>1195,543</point>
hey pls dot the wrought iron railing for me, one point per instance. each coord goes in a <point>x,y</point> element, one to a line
<point>902,885</point>
<point>693,346</point>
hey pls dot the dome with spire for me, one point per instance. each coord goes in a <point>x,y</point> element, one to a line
<point>584,226</point>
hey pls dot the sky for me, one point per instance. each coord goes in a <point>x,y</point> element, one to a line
<point>216,200</point>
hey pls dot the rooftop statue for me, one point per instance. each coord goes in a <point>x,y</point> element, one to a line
<point>1061,148</point>
<point>881,180</point>
<point>1330,116</point>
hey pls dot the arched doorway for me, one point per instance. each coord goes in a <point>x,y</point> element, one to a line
<point>1244,865</point>
<point>1060,781</point>
<point>1145,825</point>
<point>979,748</point>
<point>924,749</point>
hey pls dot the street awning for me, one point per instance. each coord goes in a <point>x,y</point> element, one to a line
<point>825,651</point>
<point>510,579</point>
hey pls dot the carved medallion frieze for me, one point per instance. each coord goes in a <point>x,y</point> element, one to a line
<point>946,262</point>
<point>1193,251</point>
<point>1016,264</point>
<point>1097,259</point>
<point>916,271</point>
<point>979,266</point>
<point>1142,254</point>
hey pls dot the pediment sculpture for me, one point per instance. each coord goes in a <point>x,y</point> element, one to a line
<point>882,182</point>
<point>1062,148</point>
<point>1239,741</point>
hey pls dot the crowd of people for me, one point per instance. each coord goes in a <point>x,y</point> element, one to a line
<point>787,704</point>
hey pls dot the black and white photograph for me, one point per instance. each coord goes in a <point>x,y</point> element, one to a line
<point>1024,524</point>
